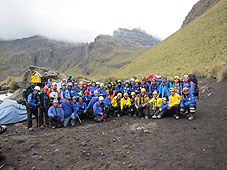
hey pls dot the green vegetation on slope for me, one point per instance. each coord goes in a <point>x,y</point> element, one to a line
<point>199,47</point>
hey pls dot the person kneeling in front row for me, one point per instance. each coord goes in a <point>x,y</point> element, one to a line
<point>162,109</point>
<point>56,116</point>
<point>188,104</point>
<point>99,110</point>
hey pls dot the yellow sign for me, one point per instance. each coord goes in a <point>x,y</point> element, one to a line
<point>36,77</point>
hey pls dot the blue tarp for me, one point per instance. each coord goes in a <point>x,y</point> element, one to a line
<point>12,112</point>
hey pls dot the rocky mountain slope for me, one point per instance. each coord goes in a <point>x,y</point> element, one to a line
<point>198,9</point>
<point>199,47</point>
<point>104,55</point>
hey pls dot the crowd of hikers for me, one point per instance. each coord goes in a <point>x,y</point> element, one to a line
<point>76,101</point>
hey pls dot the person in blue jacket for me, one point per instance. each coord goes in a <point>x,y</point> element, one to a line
<point>77,89</point>
<point>108,104</point>
<point>127,88</point>
<point>102,90</point>
<point>137,88</point>
<point>100,110</point>
<point>71,89</point>
<point>70,112</point>
<point>188,103</point>
<point>56,116</point>
<point>93,88</point>
<point>81,108</point>
<point>154,86</point>
<point>119,88</point>
<point>86,97</point>
<point>162,109</point>
<point>94,99</point>
<point>164,87</point>
<point>33,102</point>
<point>188,84</point>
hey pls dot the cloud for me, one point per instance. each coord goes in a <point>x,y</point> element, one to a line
<point>83,20</point>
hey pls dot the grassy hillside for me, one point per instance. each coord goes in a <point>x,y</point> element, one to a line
<point>199,47</point>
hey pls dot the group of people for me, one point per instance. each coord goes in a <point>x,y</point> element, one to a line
<point>76,101</point>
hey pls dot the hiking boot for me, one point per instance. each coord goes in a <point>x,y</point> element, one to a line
<point>41,127</point>
<point>154,117</point>
<point>159,116</point>
<point>146,117</point>
<point>191,118</point>
<point>30,129</point>
<point>177,117</point>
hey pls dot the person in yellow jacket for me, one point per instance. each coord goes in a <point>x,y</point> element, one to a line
<point>132,107</point>
<point>154,103</point>
<point>116,104</point>
<point>174,103</point>
<point>141,103</point>
<point>125,104</point>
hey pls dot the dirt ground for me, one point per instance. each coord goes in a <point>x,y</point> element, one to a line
<point>127,142</point>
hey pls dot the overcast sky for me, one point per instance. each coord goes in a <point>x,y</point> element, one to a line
<point>83,20</point>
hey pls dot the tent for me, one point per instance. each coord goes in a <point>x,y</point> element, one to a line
<point>12,112</point>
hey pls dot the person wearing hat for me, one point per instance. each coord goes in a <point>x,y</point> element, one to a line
<point>174,104</point>
<point>74,99</point>
<point>70,112</point>
<point>145,84</point>
<point>102,90</point>
<point>32,109</point>
<point>54,94</point>
<point>87,97</point>
<point>86,88</point>
<point>188,104</point>
<point>155,103</point>
<point>110,90</point>
<point>44,106</point>
<point>126,88</point>
<point>99,110</point>
<point>178,85</point>
<point>162,110</point>
<point>132,82</point>
<point>71,89</point>
<point>154,86</point>
<point>189,84</point>
<point>132,107</point>
<point>137,88</point>
<point>164,87</point>
<point>119,87</point>
<point>93,88</point>
<point>81,107</point>
<point>64,93</point>
<point>116,104</point>
<point>125,104</point>
<point>141,104</point>
<point>81,85</point>
<point>97,85</point>
<point>56,116</point>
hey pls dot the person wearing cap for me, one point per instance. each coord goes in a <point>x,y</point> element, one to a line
<point>99,110</point>
<point>93,88</point>
<point>137,88</point>
<point>56,116</point>
<point>126,88</point>
<point>81,85</point>
<point>141,103</point>
<point>72,80</point>
<point>32,109</point>
<point>81,107</point>
<point>102,90</point>
<point>71,90</point>
<point>116,104</point>
<point>188,104</point>
<point>45,101</point>
<point>119,87</point>
<point>164,87</point>
<point>178,85</point>
<point>155,103</point>
<point>132,82</point>
<point>174,104</point>
<point>97,85</point>
<point>70,112</point>
<point>74,99</point>
<point>64,93</point>
<point>162,110</point>
<point>189,84</point>
<point>86,88</point>
<point>154,86</point>
<point>110,90</point>
<point>53,93</point>
<point>94,99</point>
<point>87,97</point>
<point>132,107</point>
<point>125,104</point>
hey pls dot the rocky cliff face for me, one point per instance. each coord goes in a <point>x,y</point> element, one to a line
<point>198,9</point>
<point>105,54</point>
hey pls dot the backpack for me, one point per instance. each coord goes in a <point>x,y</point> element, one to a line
<point>26,92</point>
<point>193,78</point>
